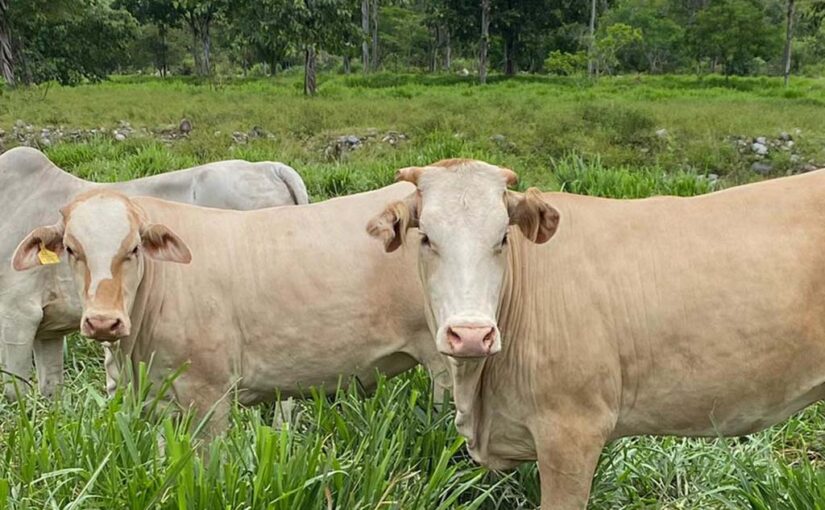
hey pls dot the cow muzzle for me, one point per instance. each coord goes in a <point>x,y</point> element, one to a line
<point>469,338</point>
<point>106,327</point>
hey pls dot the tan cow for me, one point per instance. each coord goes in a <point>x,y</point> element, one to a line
<point>256,301</point>
<point>667,316</point>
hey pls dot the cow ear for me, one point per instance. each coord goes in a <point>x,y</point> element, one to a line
<point>160,243</point>
<point>41,247</point>
<point>391,225</point>
<point>537,219</point>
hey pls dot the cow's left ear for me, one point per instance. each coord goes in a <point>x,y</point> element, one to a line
<point>391,225</point>
<point>537,219</point>
<point>160,243</point>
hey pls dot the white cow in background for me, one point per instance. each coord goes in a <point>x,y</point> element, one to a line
<point>36,312</point>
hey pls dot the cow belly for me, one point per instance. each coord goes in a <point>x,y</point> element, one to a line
<point>293,375</point>
<point>744,405</point>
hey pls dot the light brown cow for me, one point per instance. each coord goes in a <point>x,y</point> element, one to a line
<point>257,301</point>
<point>667,316</point>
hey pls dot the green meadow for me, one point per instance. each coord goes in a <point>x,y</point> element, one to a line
<point>625,137</point>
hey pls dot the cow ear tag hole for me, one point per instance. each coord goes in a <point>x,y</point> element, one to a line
<point>46,256</point>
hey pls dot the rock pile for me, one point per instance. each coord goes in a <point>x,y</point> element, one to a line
<point>338,147</point>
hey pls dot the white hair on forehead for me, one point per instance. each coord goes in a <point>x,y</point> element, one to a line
<point>469,194</point>
<point>468,182</point>
<point>101,225</point>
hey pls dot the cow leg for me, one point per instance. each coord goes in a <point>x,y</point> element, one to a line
<point>111,365</point>
<point>16,347</point>
<point>568,452</point>
<point>48,360</point>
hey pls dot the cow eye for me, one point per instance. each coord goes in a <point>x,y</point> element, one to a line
<point>134,250</point>
<point>425,241</point>
<point>70,251</point>
<point>504,239</point>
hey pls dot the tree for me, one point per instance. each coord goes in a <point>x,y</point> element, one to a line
<point>199,16</point>
<point>6,57</point>
<point>786,56</point>
<point>365,31</point>
<point>67,40</point>
<point>164,15</point>
<point>485,41</point>
<point>591,40</point>
<point>749,33</point>
<point>661,47</point>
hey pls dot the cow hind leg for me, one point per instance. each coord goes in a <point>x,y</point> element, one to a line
<point>48,360</point>
<point>568,452</point>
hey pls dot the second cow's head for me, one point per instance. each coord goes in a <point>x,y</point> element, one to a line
<point>106,238</point>
<point>464,212</point>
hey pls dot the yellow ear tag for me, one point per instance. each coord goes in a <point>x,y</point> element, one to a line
<point>46,256</point>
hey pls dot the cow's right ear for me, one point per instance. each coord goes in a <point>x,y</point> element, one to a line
<point>41,247</point>
<point>391,225</point>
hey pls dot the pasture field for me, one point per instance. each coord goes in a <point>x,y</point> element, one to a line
<point>621,137</point>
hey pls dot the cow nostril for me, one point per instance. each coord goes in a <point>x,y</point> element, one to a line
<point>489,337</point>
<point>453,337</point>
<point>89,323</point>
<point>115,325</point>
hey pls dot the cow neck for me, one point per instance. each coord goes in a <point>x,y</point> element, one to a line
<point>474,381</point>
<point>138,346</point>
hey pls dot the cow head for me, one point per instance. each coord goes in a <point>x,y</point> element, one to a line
<point>463,211</point>
<point>106,237</point>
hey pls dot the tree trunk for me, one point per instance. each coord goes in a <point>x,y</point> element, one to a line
<point>6,57</point>
<point>365,28</point>
<point>206,42</point>
<point>591,43</point>
<point>786,59</point>
<point>448,50</point>
<point>163,51</point>
<point>436,41</point>
<point>196,54</point>
<point>309,71</point>
<point>510,52</point>
<point>485,41</point>
<point>347,66</point>
<point>374,14</point>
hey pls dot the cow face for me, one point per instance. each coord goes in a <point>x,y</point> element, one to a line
<point>106,238</point>
<point>463,211</point>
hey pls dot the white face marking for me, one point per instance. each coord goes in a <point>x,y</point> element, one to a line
<point>464,216</point>
<point>100,225</point>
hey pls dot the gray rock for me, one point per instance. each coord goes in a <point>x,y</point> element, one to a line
<point>185,126</point>
<point>785,136</point>
<point>350,140</point>
<point>662,133</point>
<point>257,132</point>
<point>762,140</point>
<point>809,168</point>
<point>762,168</point>
<point>789,144</point>
<point>120,137</point>
<point>795,158</point>
<point>2,133</point>
<point>759,148</point>
<point>19,124</point>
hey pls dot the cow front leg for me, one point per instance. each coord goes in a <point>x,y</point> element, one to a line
<point>16,347</point>
<point>48,360</point>
<point>568,452</point>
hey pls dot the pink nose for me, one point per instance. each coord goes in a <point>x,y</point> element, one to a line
<point>471,341</point>
<point>104,328</point>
